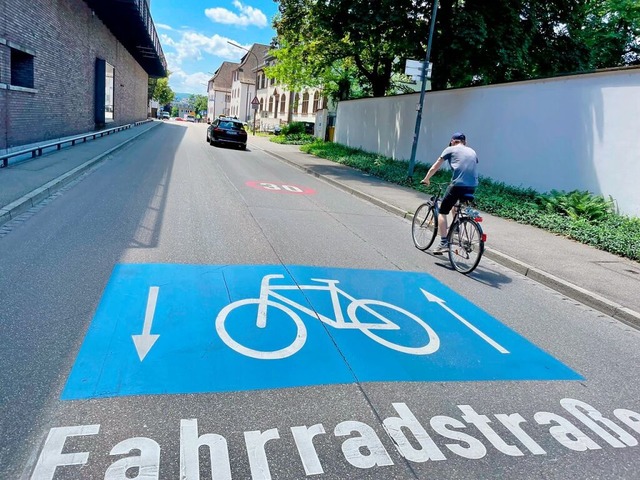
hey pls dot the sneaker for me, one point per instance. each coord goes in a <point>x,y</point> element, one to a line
<point>440,249</point>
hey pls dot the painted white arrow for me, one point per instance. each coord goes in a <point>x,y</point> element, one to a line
<point>432,298</point>
<point>145,341</point>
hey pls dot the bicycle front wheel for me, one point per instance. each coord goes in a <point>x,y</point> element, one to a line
<point>407,330</point>
<point>424,226</point>
<point>466,245</point>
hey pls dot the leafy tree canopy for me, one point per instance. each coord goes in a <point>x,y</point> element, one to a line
<point>162,92</point>
<point>346,40</point>
<point>198,102</point>
<point>357,42</point>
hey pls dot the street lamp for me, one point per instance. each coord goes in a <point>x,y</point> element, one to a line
<point>425,65</point>
<point>255,110</point>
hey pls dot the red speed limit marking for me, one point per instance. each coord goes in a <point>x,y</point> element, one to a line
<point>280,188</point>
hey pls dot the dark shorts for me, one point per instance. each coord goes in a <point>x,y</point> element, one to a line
<point>452,195</point>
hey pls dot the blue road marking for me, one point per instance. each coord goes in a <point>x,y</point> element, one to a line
<point>202,328</point>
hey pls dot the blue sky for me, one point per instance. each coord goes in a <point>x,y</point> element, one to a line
<point>194,35</point>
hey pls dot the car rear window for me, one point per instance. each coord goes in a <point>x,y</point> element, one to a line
<point>232,125</point>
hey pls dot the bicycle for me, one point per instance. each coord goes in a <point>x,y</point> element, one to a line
<point>268,293</point>
<point>465,236</point>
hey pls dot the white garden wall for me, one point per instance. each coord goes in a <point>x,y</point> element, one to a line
<point>576,132</point>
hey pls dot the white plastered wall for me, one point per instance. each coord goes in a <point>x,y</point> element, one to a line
<point>576,132</point>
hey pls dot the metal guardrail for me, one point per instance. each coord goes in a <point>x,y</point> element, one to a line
<point>36,151</point>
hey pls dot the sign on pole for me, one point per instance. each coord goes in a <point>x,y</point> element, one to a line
<point>413,69</point>
<point>255,103</point>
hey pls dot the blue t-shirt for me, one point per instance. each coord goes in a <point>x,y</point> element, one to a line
<point>463,161</point>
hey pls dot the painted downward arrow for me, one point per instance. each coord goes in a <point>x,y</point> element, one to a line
<point>145,341</point>
<point>432,298</point>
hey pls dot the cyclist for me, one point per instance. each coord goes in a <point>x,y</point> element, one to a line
<point>463,160</point>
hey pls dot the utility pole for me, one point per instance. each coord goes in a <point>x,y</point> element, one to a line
<point>425,66</point>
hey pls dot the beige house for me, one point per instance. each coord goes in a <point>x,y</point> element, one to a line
<point>233,87</point>
<point>243,83</point>
<point>279,106</point>
<point>219,91</point>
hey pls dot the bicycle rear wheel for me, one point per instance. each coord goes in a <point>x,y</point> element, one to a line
<point>424,226</point>
<point>466,245</point>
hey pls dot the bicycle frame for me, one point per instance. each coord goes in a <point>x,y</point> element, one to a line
<point>267,290</point>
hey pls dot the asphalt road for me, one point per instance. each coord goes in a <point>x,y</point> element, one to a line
<point>171,236</point>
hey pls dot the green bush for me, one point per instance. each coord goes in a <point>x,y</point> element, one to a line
<point>579,215</point>
<point>293,128</point>
<point>576,204</point>
<point>294,139</point>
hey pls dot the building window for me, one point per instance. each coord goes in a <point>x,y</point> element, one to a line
<point>305,103</point>
<point>296,102</point>
<point>108,93</point>
<point>283,103</point>
<point>21,69</point>
<point>270,104</point>
<point>316,97</point>
<point>261,104</point>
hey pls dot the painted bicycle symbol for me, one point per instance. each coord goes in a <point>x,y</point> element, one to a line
<point>269,295</point>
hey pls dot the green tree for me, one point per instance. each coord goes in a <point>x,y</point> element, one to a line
<point>479,42</point>
<point>162,92</point>
<point>298,69</point>
<point>366,36</point>
<point>151,88</point>
<point>198,102</point>
<point>175,111</point>
<point>612,32</point>
<point>476,42</point>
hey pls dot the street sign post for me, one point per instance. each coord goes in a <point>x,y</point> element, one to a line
<point>255,104</point>
<point>425,65</point>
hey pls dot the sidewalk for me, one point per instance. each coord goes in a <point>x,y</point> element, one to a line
<point>24,184</point>
<point>605,282</point>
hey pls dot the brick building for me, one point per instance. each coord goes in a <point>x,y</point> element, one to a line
<point>72,66</point>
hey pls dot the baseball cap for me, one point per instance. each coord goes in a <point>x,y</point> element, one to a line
<point>458,136</point>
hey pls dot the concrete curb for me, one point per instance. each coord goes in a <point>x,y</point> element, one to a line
<point>564,287</point>
<point>569,289</point>
<point>24,203</point>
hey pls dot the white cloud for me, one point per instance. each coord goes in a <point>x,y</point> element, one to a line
<point>247,16</point>
<point>164,26</point>
<point>193,46</point>
<point>183,82</point>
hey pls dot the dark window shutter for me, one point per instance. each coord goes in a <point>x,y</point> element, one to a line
<point>101,72</point>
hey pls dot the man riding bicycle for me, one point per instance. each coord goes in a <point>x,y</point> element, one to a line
<point>463,161</point>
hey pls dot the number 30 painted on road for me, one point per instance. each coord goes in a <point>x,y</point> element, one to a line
<point>281,188</point>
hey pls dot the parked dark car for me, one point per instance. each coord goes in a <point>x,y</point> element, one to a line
<point>227,130</point>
